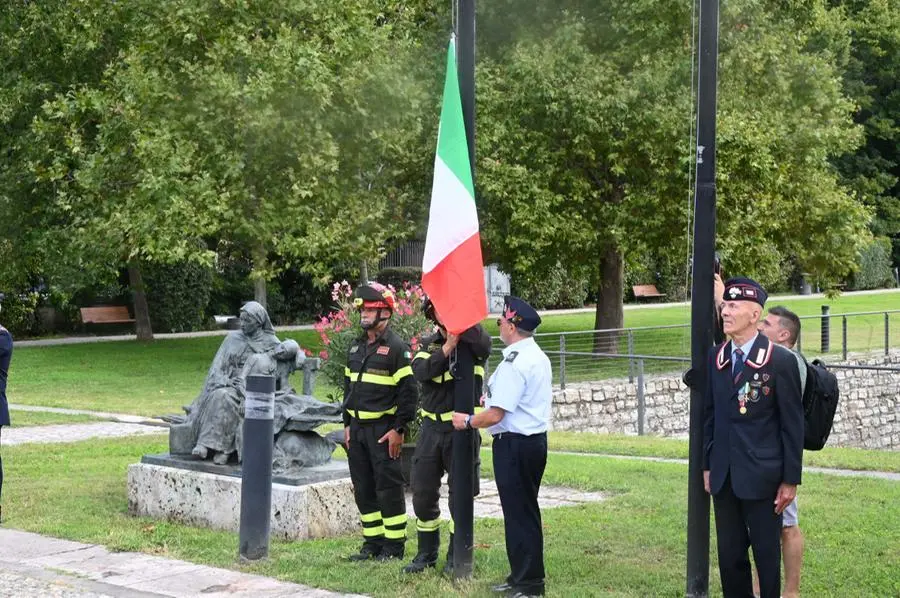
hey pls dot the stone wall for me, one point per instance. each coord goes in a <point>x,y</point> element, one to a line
<point>868,414</point>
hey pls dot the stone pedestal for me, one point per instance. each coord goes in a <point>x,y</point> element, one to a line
<point>321,508</point>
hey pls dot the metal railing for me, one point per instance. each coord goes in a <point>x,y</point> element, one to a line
<point>406,255</point>
<point>589,355</point>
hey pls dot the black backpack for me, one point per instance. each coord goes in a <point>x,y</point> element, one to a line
<point>820,399</point>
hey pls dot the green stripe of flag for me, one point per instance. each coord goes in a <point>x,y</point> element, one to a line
<point>453,149</point>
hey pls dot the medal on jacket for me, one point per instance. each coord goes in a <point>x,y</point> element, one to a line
<point>742,399</point>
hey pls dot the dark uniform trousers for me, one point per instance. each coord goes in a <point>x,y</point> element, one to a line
<point>519,463</point>
<point>377,485</point>
<point>434,451</point>
<point>433,459</point>
<point>741,524</point>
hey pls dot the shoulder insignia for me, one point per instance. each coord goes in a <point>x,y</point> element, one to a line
<point>384,350</point>
<point>763,355</point>
<point>354,348</point>
<point>407,355</point>
<point>512,356</point>
<point>721,360</point>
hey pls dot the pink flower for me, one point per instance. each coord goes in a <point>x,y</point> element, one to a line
<point>323,355</point>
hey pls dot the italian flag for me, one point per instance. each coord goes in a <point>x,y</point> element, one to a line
<point>452,270</point>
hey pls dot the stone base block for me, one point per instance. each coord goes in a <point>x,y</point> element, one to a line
<point>315,510</point>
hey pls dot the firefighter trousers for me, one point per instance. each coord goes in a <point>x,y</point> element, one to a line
<point>377,485</point>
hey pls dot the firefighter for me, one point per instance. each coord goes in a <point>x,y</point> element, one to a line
<point>431,368</point>
<point>379,402</point>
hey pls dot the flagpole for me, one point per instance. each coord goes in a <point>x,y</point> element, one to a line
<point>464,386</point>
<point>697,582</point>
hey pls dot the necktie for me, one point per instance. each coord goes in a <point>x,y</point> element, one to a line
<point>738,357</point>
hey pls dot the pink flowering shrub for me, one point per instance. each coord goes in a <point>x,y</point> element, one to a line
<point>340,328</point>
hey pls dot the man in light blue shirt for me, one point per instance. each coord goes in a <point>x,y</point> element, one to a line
<point>517,414</point>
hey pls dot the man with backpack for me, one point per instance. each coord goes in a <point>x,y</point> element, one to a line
<point>782,326</point>
<point>753,442</point>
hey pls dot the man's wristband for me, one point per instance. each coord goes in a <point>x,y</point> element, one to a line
<point>469,422</point>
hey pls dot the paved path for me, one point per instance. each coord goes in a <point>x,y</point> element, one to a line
<point>125,418</point>
<point>33,565</point>
<point>74,432</point>
<point>487,503</point>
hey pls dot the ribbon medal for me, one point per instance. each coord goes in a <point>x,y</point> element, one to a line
<point>742,399</point>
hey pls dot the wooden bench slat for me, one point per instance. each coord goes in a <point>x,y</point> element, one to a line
<point>112,314</point>
<point>646,290</point>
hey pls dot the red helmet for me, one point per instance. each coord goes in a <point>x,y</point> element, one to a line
<point>374,296</point>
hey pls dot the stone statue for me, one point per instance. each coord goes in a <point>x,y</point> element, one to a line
<point>296,416</point>
<point>213,424</point>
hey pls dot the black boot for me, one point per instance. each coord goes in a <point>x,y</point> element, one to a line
<point>391,549</point>
<point>429,543</point>
<point>370,549</point>
<point>448,566</point>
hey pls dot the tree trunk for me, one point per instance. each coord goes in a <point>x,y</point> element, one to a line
<point>141,310</point>
<point>610,296</point>
<point>259,280</point>
<point>363,272</point>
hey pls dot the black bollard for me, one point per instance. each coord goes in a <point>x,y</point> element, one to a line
<point>256,473</point>
<point>826,329</point>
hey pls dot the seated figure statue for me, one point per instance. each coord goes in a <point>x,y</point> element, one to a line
<point>295,416</point>
<point>213,424</point>
<point>215,415</point>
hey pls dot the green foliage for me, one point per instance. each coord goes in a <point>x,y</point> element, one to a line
<point>871,78</point>
<point>598,155</point>
<point>177,295</point>
<point>19,314</point>
<point>556,288</point>
<point>281,127</point>
<point>874,266</point>
<point>400,277</point>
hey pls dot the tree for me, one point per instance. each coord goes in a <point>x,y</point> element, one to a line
<point>871,79</point>
<point>279,127</point>
<point>584,148</point>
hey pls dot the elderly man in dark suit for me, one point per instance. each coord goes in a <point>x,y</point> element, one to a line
<point>753,441</point>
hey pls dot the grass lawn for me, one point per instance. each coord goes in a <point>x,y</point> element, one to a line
<point>22,419</point>
<point>631,545</point>
<point>159,377</point>
<point>122,376</point>
<point>672,448</point>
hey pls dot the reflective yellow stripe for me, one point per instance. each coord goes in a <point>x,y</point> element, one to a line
<point>395,520</point>
<point>428,526</point>
<point>452,526</point>
<point>479,371</point>
<point>368,532</point>
<point>446,377</point>
<point>370,517</point>
<point>402,373</point>
<point>372,378</point>
<point>375,379</point>
<point>443,417</point>
<point>479,409</point>
<point>422,355</point>
<point>358,414</point>
<point>395,534</point>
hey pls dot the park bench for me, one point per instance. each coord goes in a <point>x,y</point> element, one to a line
<point>108,314</point>
<point>646,291</point>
